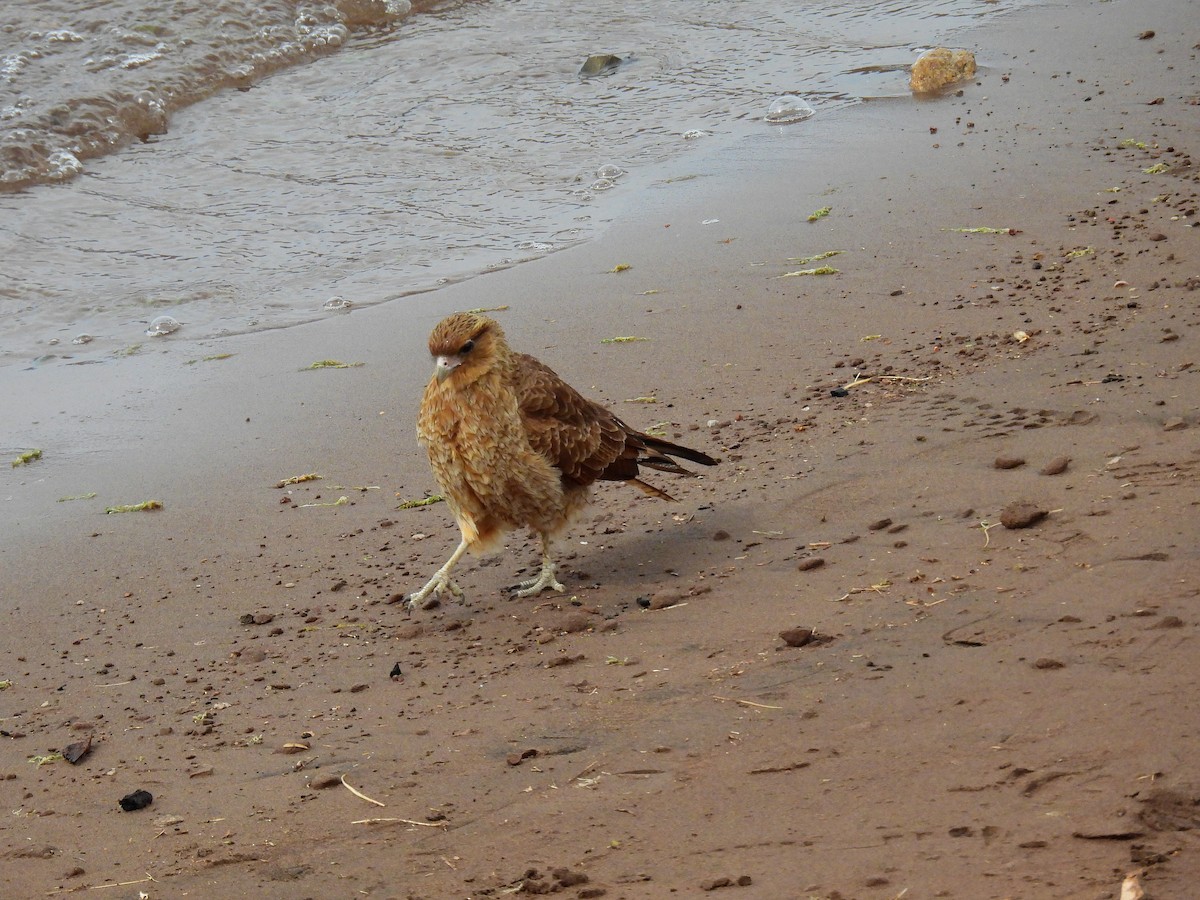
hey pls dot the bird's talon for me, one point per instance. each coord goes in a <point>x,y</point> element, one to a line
<point>544,582</point>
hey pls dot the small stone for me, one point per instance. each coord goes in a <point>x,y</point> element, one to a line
<point>599,64</point>
<point>135,801</point>
<point>721,536</point>
<point>744,881</point>
<point>1022,514</point>
<point>1056,466</point>
<point>566,878</point>
<point>713,883</point>
<point>515,759</point>
<point>665,599</point>
<point>879,525</point>
<point>1174,424</point>
<point>810,563</point>
<point>575,623</point>
<point>1046,663</point>
<point>796,637</point>
<point>1170,622</point>
<point>1008,462</point>
<point>321,782</point>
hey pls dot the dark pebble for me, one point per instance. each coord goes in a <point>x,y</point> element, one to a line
<point>135,801</point>
<point>812,562</point>
<point>515,759</point>
<point>879,525</point>
<point>836,392</point>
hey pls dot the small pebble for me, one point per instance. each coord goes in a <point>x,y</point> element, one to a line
<point>1056,466</point>
<point>1047,663</point>
<point>1008,462</point>
<point>796,637</point>
<point>1022,514</point>
<point>810,563</point>
<point>135,801</point>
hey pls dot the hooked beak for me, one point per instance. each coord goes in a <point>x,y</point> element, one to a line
<point>445,366</point>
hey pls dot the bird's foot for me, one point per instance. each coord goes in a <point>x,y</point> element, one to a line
<point>437,585</point>
<point>545,581</point>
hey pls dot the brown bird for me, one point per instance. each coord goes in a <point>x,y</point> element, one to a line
<point>511,444</point>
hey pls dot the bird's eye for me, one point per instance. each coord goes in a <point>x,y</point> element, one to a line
<point>468,347</point>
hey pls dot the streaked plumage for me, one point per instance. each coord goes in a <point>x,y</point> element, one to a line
<point>512,445</point>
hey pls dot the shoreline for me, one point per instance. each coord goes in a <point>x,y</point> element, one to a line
<point>988,702</point>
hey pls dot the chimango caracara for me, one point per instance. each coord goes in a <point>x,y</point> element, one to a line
<point>512,445</point>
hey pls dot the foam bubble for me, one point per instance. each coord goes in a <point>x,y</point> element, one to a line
<point>787,109</point>
<point>162,325</point>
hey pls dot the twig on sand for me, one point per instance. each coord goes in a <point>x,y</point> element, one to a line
<point>863,379</point>
<point>745,702</point>
<point>877,588</point>
<point>357,793</point>
<point>97,887</point>
<point>393,819</point>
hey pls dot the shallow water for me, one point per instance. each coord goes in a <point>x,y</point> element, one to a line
<point>240,165</point>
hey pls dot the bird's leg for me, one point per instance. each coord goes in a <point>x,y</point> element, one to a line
<point>545,579</point>
<point>441,580</point>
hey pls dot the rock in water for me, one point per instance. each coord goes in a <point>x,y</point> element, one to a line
<point>936,68</point>
<point>600,64</point>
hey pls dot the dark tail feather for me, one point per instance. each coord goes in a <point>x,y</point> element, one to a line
<point>668,449</point>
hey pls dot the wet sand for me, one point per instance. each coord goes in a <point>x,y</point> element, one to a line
<point>980,710</point>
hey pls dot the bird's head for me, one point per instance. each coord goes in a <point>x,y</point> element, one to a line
<point>465,344</point>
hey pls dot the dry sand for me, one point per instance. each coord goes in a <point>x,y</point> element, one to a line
<point>981,711</point>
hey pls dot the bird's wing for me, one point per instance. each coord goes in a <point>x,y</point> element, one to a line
<point>579,437</point>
